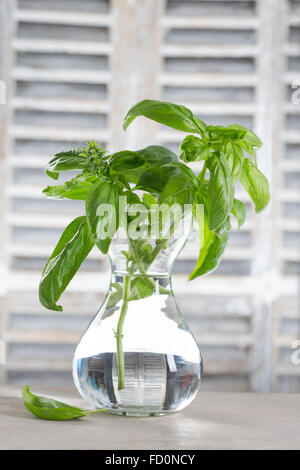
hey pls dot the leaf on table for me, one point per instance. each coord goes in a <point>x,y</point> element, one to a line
<point>48,408</point>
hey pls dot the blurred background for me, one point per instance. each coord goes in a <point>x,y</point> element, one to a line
<point>70,69</point>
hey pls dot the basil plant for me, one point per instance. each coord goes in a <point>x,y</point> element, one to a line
<point>228,155</point>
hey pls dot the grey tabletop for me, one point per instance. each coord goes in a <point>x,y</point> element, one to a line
<point>213,421</point>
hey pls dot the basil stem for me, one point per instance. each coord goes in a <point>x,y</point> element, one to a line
<point>119,332</point>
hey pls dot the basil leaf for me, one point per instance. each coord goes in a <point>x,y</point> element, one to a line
<point>78,188</point>
<point>69,160</point>
<point>53,174</point>
<point>239,211</point>
<point>235,158</point>
<point>140,287</point>
<point>193,149</point>
<point>114,296</point>
<point>224,227</point>
<point>186,172</point>
<point>102,211</point>
<point>71,250</point>
<point>220,190</point>
<point>176,191</point>
<point>210,252</point>
<point>48,408</point>
<point>125,161</point>
<point>250,142</point>
<point>155,178</point>
<point>229,132</point>
<point>149,200</point>
<point>157,155</point>
<point>256,185</point>
<point>59,192</point>
<point>132,198</point>
<point>153,155</point>
<point>172,115</point>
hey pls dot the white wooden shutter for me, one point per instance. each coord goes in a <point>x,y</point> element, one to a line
<point>75,68</point>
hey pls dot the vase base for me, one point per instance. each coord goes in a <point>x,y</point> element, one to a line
<point>138,413</point>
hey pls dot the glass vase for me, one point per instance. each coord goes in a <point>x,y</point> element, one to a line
<point>138,356</point>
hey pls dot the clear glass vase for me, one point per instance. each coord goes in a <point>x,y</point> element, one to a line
<point>138,356</point>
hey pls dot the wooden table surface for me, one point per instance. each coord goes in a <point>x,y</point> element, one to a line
<point>213,421</point>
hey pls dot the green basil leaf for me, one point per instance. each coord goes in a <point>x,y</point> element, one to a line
<point>235,159</point>
<point>211,251</point>
<point>68,160</point>
<point>172,115</point>
<point>132,198</point>
<point>59,192</point>
<point>250,136</point>
<point>102,210</point>
<point>256,185</point>
<point>221,132</point>
<point>224,227</point>
<point>155,178</point>
<point>157,155</point>
<point>115,295</point>
<point>70,251</point>
<point>140,287</point>
<point>193,149</point>
<point>220,190</point>
<point>78,188</point>
<point>239,211</point>
<point>186,172</point>
<point>126,161</point>
<point>176,191</point>
<point>53,174</point>
<point>250,142</point>
<point>149,200</point>
<point>48,408</point>
<point>153,155</point>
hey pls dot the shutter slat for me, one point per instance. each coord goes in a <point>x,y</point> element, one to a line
<point>66,18</point>
<point>63,47</point>
<point>209,22</point>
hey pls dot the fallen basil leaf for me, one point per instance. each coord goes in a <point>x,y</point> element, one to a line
<point>48,408</point>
